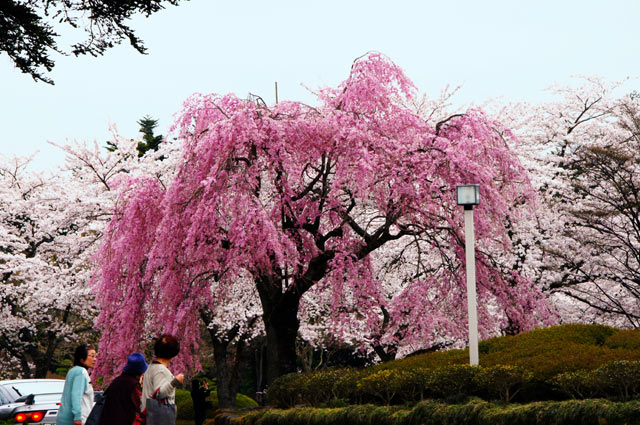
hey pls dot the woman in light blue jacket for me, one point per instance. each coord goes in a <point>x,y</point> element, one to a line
<point>77,395</point>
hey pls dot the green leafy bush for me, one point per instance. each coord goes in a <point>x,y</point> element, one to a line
<point>419,384</point>
<point>621,378</point>
<point>453,381</point>
<point>547,363</point>
<point>317,387</point>
<point>615,380</point>
<point>502,382</point>
<point>286,391</point>
<point>321,387</point>
<point>242,401</point>
<point>345,385</point>
<point>626,339</point>
<point>578,385</point>
<point>184,404</point>
<point>385,385</point>
<point>64,367</point>
<point>427,360</point>
<point>331,386</point>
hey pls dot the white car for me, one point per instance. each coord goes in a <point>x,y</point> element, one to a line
<point>31,401</point>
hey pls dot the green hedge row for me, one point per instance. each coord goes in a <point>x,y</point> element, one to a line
<point>396,386</point>
<point>618,380</point>
<point>553,363</point>
<point>475,412</point>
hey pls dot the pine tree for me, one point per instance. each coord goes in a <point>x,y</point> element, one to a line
<point>151,141</point>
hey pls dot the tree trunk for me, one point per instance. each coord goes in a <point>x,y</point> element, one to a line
<point>280,300</point>
<point>227,362</point>
<point>259,357</point>
<point>44,360</point>
<point>26,370</point>
<point>280,316</point>
<point>281,343</point>
<point>227,371</point>
<point>42,365</point>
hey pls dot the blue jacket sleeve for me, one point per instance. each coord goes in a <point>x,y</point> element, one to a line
<point>78,387</point>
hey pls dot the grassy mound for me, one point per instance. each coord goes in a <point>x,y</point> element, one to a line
<point>545,352</point>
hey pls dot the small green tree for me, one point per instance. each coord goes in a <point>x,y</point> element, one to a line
<point>151,141</point>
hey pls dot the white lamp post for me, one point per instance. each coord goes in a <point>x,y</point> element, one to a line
<point>468,195</point>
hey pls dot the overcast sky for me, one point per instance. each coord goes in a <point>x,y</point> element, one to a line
<point>507,48</point>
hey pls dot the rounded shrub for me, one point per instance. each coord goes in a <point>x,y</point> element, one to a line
<point>184,404</point>
<point>579,385</point>
<point>419,383</point>
<point>317,387</point>
<point>286,390</point>
<point>453,381</point>
<point>386,385</point>
<point>502,382</point>
<point>625,339</point>
<point>346,382</point>
<point>619,378</point>
<point>242,401</point>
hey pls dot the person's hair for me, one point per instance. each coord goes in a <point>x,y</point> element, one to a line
<point>81,353</point>
<point>166,346</point>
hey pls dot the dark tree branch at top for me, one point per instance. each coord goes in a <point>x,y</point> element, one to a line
<point>27,34</point>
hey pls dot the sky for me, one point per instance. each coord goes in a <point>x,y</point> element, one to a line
<point>507,49</point>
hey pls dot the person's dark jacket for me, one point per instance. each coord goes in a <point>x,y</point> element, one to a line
<point>122,400</point>
<point>199,396</point>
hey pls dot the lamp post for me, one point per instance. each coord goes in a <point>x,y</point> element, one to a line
<point>468,195</point>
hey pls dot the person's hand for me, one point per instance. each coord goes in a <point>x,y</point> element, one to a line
<point>206,384</point>
<point>180,377</point>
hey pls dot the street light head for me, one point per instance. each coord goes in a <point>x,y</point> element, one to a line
<point>468,194</point>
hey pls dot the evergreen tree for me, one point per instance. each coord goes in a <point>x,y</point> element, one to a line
<point>151,141</point>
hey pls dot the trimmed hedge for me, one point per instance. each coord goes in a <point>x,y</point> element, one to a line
<point>619,380</point>
<point>475,412</point>
<point>396,386</point>
<point>555,363</point>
